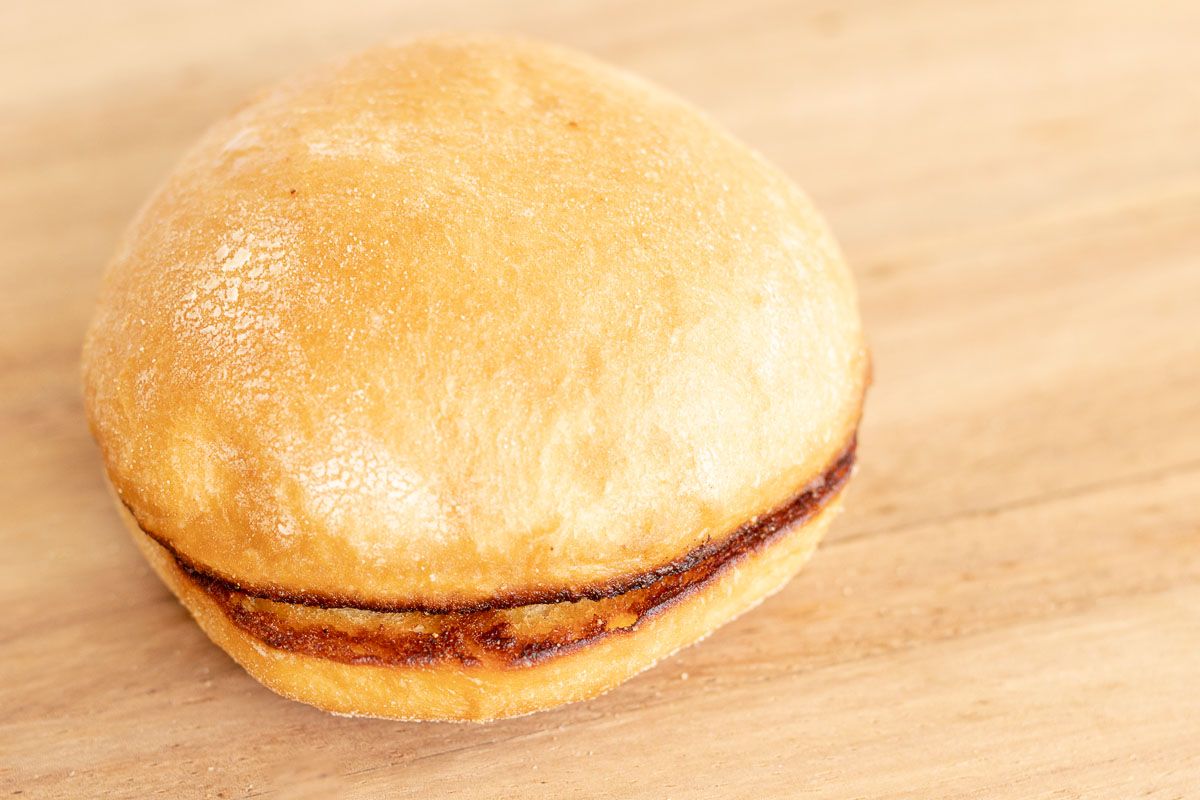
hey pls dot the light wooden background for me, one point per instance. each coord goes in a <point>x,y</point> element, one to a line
<point>1011,607</point>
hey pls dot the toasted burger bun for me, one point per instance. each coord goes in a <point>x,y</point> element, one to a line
<point>505,371</point>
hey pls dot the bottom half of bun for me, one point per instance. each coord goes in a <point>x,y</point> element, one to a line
<point>482,665</point>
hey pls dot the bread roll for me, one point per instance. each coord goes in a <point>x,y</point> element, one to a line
<point>469,376</point>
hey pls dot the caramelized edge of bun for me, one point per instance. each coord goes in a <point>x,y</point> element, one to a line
<point>799,506</point>
<point>449,691</point>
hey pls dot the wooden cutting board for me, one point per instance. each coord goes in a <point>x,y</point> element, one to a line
<point>1011,606</point>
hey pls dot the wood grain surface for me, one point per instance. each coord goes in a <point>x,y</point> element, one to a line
<point>1011,606</point>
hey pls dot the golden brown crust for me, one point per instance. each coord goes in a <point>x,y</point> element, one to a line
<point>711,554</point>
<point>468,318</point>
<point>503,635</point>
<point>462,690</point>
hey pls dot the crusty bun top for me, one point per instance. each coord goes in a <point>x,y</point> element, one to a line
<point>466,319</point>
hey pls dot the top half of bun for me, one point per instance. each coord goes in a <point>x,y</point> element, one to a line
<point>466,318</point>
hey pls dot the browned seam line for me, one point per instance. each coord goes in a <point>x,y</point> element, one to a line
<point>727,560</point>
<point>467,637</point>
<point>600,591</point>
